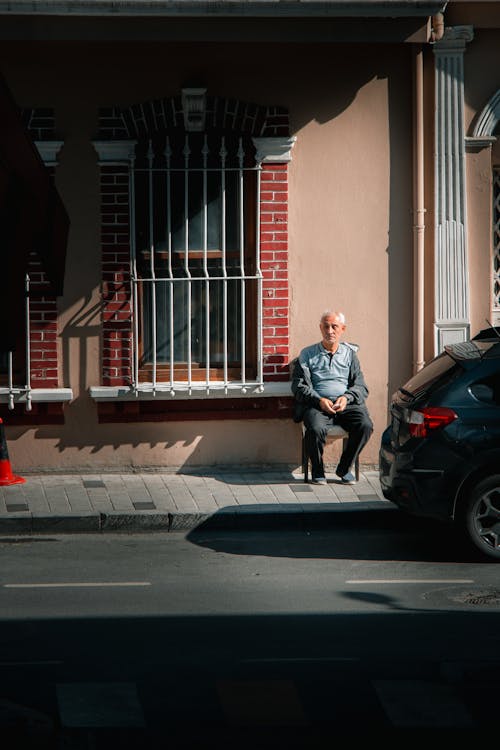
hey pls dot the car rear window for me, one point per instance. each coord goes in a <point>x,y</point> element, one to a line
<point>436,373</point>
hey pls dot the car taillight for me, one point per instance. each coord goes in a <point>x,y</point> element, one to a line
<point>423,421</point>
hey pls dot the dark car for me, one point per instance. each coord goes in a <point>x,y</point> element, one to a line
<point>440,456</point>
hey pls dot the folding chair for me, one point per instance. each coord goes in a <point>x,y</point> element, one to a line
<point>334,432</point>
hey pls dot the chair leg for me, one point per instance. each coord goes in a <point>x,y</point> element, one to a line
<point>356,463</point>
<point>305,459</point>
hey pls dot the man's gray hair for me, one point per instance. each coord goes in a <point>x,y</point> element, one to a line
<point>339,315</point>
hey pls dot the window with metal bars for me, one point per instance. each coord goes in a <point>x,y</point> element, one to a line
<point>496,241</point>
<point>195,261</point>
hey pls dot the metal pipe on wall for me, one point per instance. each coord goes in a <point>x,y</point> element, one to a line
<point>418,213</point>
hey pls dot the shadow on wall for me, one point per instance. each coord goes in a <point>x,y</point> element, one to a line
<point>157,446</point>
<point>85,324</point>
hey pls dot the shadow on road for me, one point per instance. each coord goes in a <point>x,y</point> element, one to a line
<point>351,531</point>
<point>241,681</point>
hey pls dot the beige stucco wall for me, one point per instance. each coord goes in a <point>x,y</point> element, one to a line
<point>350,225</point>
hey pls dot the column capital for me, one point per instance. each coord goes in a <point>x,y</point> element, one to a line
<point>454,40</point>
<point>49,151</point>
<point>274,149</point>
<point>114,152</point>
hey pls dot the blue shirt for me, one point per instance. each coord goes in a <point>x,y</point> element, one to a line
<point>329,372</point>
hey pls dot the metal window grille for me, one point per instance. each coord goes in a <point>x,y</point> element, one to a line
<point>12,391</point>
<point>195,264</point>
<point>496,243</point>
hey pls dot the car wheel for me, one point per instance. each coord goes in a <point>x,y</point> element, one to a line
<point>482,516</point>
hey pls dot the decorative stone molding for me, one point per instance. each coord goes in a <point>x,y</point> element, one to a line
<point>274,150</point>
<point>194,107</point>
<point>49,151</point>
<point>473,144</point>
<point>114,152</point>
<point>489,117</point>
<point>451,264</point>
<point>454,40</point>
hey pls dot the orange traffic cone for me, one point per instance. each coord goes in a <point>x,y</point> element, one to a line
<point>6,475</point>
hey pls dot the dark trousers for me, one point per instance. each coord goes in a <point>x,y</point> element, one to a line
<point>354,419</point>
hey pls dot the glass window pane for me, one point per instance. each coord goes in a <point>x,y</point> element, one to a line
<point>219,299</point>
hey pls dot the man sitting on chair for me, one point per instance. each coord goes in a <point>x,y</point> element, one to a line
<point>330,389</point>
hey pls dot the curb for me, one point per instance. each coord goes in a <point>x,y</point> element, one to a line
<point>258,518</point>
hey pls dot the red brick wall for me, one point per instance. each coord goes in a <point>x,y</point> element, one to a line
<point>43,329</point>
<point>274,266</point>
<point>43,326</point>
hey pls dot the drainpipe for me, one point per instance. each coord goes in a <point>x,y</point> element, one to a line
<point>418,213</point>
<point>437,32</point>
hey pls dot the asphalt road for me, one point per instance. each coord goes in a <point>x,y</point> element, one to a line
<point>380,625</point>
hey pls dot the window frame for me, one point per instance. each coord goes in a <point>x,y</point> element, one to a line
<point>194,369</point>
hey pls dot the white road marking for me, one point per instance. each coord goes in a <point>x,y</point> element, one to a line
<point>101,584</point>
<point>409,580</point>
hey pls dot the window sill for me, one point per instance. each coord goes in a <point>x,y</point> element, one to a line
<point>183,391</point>
<point>36,395</point>
<point>44,406</point>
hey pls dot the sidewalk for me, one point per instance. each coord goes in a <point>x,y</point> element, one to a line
<point>130,502</point>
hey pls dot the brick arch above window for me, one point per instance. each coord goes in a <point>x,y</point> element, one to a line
<point>161,115</point>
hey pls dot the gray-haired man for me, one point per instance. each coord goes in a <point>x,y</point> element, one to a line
<point>329,388</point>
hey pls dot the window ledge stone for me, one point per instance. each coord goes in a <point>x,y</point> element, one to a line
<point>181,391</point>
<point>36,395</point>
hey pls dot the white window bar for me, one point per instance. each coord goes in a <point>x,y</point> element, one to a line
<point>260,361</point>
<point>133,277</point>
<point>187,152</point>
<point>10,380</point>
<point>223,156</point>
<point>168,155</point>
<point>205,266</point>
<point>241,155</point>
<point>152,261</point>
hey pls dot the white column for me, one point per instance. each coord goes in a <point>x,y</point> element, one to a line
<point>451,323</point>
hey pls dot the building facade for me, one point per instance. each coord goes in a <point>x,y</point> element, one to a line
<point>231,170</point>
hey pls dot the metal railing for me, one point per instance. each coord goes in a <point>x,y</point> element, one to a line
<point>495,269</point>
<point>190,284</point>
<point>12,391</point>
